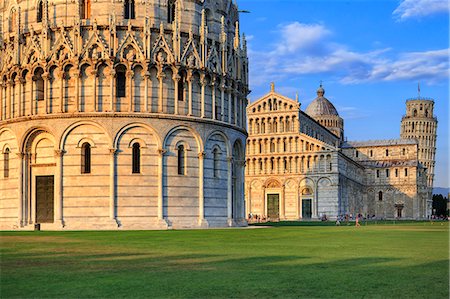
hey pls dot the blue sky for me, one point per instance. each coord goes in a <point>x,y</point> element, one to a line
<point>370,56</point>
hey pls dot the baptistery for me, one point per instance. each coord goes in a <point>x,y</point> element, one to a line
<point>122,114</point>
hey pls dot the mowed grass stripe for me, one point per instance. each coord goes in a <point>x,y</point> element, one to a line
<point>386,261</point>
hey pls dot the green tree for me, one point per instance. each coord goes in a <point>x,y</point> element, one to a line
<point>440,205</point>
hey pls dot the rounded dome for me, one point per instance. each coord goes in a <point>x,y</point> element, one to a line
<point>321,106</point>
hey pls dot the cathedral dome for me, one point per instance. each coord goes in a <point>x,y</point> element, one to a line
<point>321,106</point>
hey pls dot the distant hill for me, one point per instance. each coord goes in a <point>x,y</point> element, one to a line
<point>443,191</point>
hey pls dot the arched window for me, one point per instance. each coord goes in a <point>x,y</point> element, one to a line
<point>387,173</point>
<point>371,153</point>
<point>380,196</point>
<point>85,9</point>
<point>413,127</point>
<point>40,11</point>
<point>121,81</point>
<point>181,160</point>
<point>426,113</point>
<point>171,7</point>
<point>86,158</point>
<point>406,172</point>
<point>415,113</point>
<point>6,163</point>
<point>404,151</point>
<point>129,9</point>
<point>396,173</point>
<point>136,158</point>
<point>216,163</point>
<point>378,173</point>
<point>387,153</point>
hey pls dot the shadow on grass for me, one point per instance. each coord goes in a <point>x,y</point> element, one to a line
<point>139,275</point>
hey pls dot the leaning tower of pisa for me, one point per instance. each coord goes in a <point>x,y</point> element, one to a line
<point>122,114</point>
<point>420,123</point>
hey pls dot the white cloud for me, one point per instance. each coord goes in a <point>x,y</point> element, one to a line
<point>420,8</point>
<point>302,49</point>
<point>297,36</point>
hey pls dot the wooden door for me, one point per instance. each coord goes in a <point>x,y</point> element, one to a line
<point>273,206</point>
<point>44,199</point>
<point>306,208</point>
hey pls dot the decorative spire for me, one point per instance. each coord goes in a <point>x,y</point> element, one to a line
<point>272,86</point>
<point>237,37</point>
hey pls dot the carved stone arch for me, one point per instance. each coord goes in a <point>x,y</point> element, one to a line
<point>227,140</point>
<point>141,142</point>
<point>11,132</point>
<point>124,129</point>
<point>85,140</point>
<point>307,182</point>
<point>195,134</point>
<point>33,130</point>
<point>272,183</point>
<point>67,132</point>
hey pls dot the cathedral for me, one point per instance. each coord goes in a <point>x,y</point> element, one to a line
<point>122,114</point>
<point>300,166</point>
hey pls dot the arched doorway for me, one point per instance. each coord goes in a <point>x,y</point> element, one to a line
<point>39,177</point>
<point>306,203</point>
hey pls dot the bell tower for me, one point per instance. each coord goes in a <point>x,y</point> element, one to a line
<point>421,124</point>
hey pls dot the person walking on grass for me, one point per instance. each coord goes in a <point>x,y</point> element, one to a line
<point>357,221</point>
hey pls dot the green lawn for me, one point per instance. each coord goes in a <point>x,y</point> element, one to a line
<point>394,261</point>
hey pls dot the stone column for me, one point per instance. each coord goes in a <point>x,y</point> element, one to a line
<point>1,100</point>
<point>249,201</point>
<point>201,192</point>
<point>222,102</point>
<point>202,83</point>
<point>160,220</point>
<point>8,100</point>
<point>19,82</point>
<point>59,207</point>
<point>213,98</point>
<point>236,107</point>
<point>21,189</point>
<point>230,191</point>
<point>176,79</point>
<point>147,77</point>
<point>160,91</point>
<point>264,205</point>
<point>113,91</point>
<point>283,203</point>
<point>45,78</point>
<point>189,81</point>
<point>77,74</point>
<point>130,77</point>
<point>112,184</point>
<point>61,91</point>
<point>230,98</point>
<point>94,88</point>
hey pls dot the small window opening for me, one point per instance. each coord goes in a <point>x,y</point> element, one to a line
<point>129,9</point>
<point>6,163</point>
<point>216,162</point>
<point>40,12</point>
<point>171,7</point>
<point>86,158</point>
<point>121,82</point>
<point>136,158</point>
<point>181,160</point>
